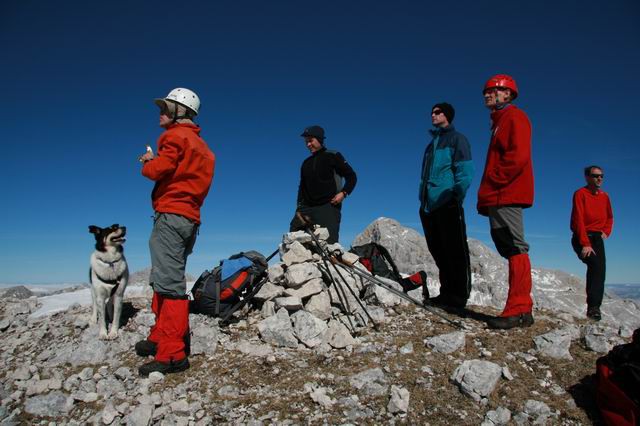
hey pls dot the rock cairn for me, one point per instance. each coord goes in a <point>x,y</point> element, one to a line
<point>309,301</point>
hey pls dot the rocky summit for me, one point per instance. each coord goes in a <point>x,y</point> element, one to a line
<point>322,345</point>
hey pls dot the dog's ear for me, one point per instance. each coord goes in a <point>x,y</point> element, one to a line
<point>94,229</point>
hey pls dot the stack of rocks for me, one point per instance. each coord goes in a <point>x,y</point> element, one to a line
<point>310,301</point>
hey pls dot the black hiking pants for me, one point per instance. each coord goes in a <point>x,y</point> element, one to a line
<point>446,233</point>
<point>326,215</point>
<point>596,267</point>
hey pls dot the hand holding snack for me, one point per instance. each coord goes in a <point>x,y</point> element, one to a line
<point>147,155</point>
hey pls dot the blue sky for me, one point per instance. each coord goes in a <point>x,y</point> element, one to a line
<point>79,80</point>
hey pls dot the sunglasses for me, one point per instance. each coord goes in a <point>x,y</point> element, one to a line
<point>596,176</point>
<point>436,112</point>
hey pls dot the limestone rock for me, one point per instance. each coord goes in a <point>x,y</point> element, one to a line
<point>308,289</point>
<point>399,401</point>
<point>268,291</point>
<point>297,253</point>
<point>554,344</point>
<point>276,273</point>
<point>477,378</point>
<point>54,404</point>
<point>277,330</point>
<point>371,382</point>
<point>338,336</point>
<point>299,274</point>
<point>299,236</point>
<point>320,306</point>
<point>447,343</point>
<point>291,303</point>
<point>308,329</point>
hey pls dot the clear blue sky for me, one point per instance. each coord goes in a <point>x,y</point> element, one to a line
<point>79,79</point>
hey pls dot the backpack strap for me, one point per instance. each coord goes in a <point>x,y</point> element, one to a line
<point>387,256</point>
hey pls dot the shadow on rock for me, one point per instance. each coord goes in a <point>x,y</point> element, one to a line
<point>584,395</point>
<point>128,312</point>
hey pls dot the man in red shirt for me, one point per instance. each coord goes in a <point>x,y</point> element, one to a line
<point>591,223</point>
<point>182,172</point>
<point>505,190</point>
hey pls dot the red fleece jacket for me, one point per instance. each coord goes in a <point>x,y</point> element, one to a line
<point>508,171</point>
<point>182,170</point>
<point>590,213</point>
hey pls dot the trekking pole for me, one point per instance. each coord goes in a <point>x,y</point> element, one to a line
<point>350,267</point>
<point>325,255</point>
<point>342,297</point>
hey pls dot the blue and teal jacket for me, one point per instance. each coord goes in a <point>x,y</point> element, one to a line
<point>447,169</point>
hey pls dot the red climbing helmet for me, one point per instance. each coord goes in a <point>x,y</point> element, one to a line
<point>504,81</point>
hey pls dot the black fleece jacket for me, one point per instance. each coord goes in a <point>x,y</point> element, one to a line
<point>321,177</point>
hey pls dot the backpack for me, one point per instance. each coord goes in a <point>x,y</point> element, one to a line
<point>230,285</point>
<point>379,262</point>
<point>618,384</point>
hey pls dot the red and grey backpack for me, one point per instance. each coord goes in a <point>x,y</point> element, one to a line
<point>379,262</point>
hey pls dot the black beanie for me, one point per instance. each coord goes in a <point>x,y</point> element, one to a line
<point>447,109</point>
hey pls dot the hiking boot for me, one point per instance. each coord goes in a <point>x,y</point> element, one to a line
<point>163,367</point>
<point>146,348</point>
<point>446,305</point>
<point>504,323</point>
<point>594,314</point>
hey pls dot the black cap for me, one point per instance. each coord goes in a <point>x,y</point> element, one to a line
<point>447,109</point>
<point>314,132</point>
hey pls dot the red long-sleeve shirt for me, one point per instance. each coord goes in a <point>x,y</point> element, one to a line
<point>590,213</point>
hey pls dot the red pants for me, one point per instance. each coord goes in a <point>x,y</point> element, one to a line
<point>171,327</point>
<point>519,298</point>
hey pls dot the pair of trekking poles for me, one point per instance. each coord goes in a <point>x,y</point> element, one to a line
<point>335,259</point>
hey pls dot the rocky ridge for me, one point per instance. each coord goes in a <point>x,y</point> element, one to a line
<point>416,369</point>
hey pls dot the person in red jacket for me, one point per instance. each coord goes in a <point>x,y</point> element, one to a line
<point>591,223</point>
<point>182,172</point>
<point>505,190</point>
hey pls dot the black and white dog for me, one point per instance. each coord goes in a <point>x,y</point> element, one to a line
<point>108,276</point>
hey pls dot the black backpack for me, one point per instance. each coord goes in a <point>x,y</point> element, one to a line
<point>230,285</point>
<point>618,384</point>
<point>379,262</point>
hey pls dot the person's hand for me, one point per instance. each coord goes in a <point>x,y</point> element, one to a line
<point>147,155</point>
<point>338,198</point>
<point>604,236</point>
<point>587,251</point>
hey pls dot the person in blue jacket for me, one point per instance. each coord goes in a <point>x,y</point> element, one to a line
<point>447,171</point>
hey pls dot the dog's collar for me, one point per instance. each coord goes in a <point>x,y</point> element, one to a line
<point>111,264</point>
<point>115,281</point>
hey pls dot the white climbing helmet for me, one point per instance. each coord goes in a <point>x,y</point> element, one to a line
<point>182,96</point>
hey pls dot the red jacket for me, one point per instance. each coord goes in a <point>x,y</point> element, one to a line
<point>182,170</point>
<point>590,213</point>
<point>508,172</point>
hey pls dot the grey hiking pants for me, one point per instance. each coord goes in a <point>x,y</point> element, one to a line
<point>507,230</point>
<point>171,242</point>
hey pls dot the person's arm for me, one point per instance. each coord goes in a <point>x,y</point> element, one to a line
<point>169,151</point>
<point>462,168</point>
<point>608,226</point>
<point>577,223</point>
<point>344,169</point>
<point>516,144</point>
<point>299,200</point>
